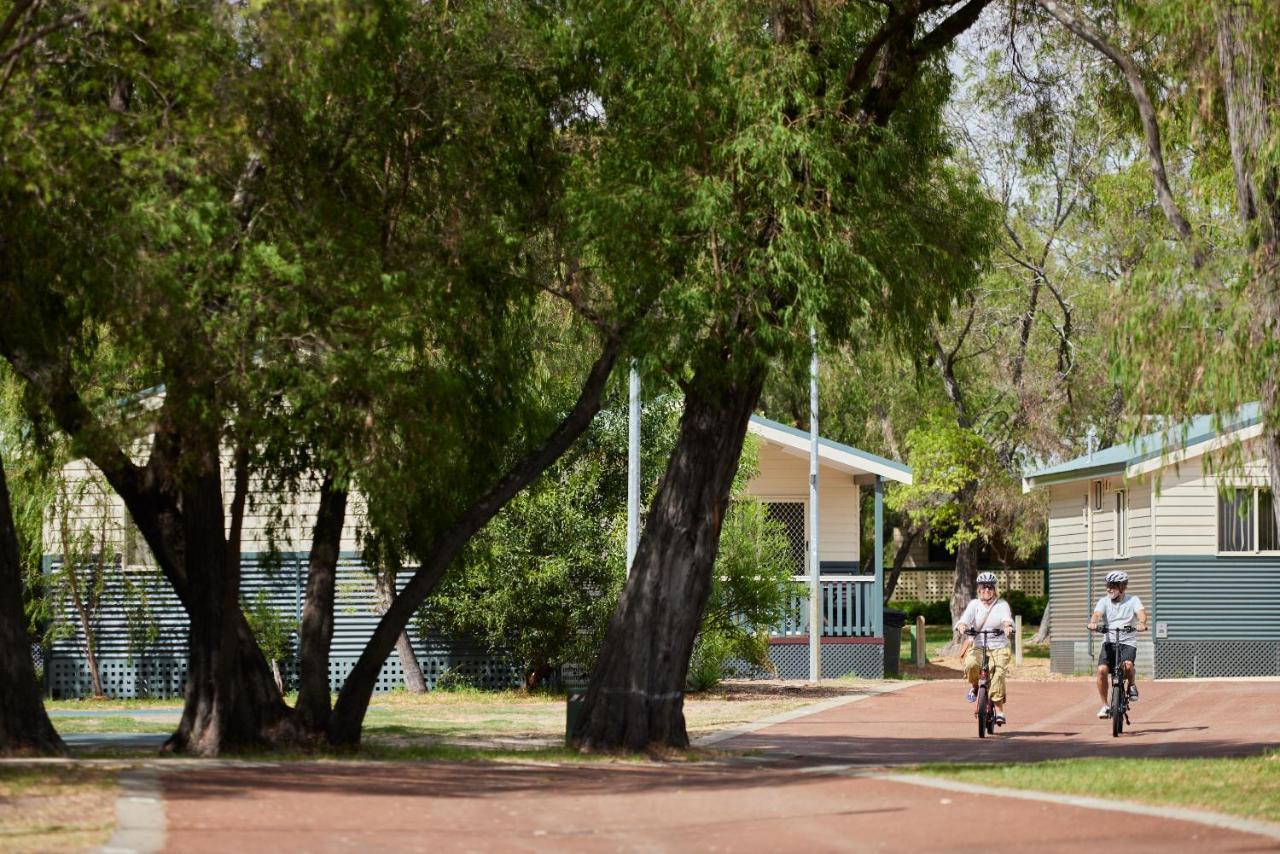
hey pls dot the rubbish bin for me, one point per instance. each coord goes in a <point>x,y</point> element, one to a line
<point>575,687</point>
<point>894,620</point>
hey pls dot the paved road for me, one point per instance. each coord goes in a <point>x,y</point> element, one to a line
<point>1047,720</point>
<point>784,801</point>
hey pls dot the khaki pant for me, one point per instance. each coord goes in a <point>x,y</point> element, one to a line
<point>997,661</point>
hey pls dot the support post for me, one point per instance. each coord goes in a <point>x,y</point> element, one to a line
<point>815,567</point>
<point>633,467</point>
<point>877,595</point>
<point>922,655</point>
<point>1017,639</point>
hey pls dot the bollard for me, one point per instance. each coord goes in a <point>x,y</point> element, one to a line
<point>1017,640</point>
<point>922,657</point>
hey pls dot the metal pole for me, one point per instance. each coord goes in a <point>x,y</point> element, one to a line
<point>877,595</point>
<point>815,568</point>
<point>633,467</point>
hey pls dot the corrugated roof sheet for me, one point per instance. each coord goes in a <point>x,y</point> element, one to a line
<point>1150,446</point>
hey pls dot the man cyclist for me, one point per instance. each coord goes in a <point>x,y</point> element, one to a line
<point>985,613</point>
<point>1114,610</point>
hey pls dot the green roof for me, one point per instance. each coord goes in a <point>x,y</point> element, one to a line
<point>1119,457</point>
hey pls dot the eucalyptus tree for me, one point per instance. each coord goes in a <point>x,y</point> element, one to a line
<point>771,167</point>
<point>1199,330</point>
<point>312,230</point>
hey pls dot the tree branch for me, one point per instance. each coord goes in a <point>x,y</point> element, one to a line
<point>1089,32</point>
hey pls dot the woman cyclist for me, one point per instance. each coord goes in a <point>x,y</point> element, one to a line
<point>1114,610</point>
<point>985,613</point>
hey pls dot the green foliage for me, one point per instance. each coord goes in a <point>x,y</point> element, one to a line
<point>1030,608</point>
<point>751,591</point>
<point>945,460</point>
<point>273,631</point>
<point>934,613</point>
<point>541,580</point>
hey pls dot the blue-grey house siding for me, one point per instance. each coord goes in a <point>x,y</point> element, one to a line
<point>159,668</point>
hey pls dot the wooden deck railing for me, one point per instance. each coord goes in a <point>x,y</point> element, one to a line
<point>847,608</point>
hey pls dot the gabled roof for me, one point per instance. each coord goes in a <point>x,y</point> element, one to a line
<point>845,458</point>
<point>1152,451</point>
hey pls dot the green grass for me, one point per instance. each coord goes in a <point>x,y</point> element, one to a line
<point>132,725</point>
<point>89,705</point>
<point>1246,787</point>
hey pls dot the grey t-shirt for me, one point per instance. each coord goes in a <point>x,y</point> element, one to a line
<point>1122,613</point>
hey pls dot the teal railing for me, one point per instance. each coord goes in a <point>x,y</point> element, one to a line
<point>849,608</point>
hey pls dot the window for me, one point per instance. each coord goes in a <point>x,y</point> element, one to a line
<point>791,516</point>
<point>1097,495</point>
<point>1247,516</point>
<point>1122,523</point>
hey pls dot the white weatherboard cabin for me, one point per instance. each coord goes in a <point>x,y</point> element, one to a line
<point>144,654</point>
<point>852,603</point>
<point>1194,527</point>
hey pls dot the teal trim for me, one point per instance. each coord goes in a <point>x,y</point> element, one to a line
<point>835,446</point>
<point>877,603</point>
<point>1144,560</point>
<point>1119,457</point>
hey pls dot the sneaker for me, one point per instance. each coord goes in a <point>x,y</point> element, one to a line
<point>1104,712</point>
<point>1133,692</point>
<point>972,696</point>
<point>999,718</point>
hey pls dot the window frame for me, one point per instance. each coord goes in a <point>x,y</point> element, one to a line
<point>1254,524</point>
<point>1121,534</point>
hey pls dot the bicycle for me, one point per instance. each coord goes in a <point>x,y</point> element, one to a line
<point>986,711</point>
<point>1119,706</point>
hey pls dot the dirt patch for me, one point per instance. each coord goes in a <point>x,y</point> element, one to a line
<point>56,807</point>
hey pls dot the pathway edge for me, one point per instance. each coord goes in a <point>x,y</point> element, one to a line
<point>140,819</point>
<point>811,709</point>
<point>1212,819</point>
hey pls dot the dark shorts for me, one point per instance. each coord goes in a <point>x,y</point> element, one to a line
<point>1127,653</point>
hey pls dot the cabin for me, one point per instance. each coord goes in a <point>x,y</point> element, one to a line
<point>852,638</point>
<point>1188,513</point>
<point>140,628</point>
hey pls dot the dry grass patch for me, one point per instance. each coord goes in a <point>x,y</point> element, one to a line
<point>515,719</point>
<point>58,807</point>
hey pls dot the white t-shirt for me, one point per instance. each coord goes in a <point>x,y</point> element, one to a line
<point>993,616</point>
<point>1122,613</point>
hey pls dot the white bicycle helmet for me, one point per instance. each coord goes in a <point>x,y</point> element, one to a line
<point>987,578</point>
<point>1117,577</point>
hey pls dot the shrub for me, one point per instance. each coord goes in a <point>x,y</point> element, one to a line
<point>935,613</point>
<point>1031,608</point>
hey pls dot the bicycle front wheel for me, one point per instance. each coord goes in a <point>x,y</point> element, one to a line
<point>1117,710</point>
<point>983,712</point>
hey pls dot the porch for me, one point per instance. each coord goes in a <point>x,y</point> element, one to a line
<point>850,602</point>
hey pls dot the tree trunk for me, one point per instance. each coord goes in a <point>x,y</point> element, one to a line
<point>1042,634</point>
<point>353,699</point>
<point>316,632</point>
<point>963,589</point>
<point>231,701</point>
<point>24,725</point>
<point>899,561</point>
<point>636,696</point>
<point>1250,103</point>
<point>414,681</point>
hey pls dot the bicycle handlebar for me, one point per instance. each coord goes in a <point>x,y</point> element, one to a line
<point>1103,628</point>
<point>975,632</point>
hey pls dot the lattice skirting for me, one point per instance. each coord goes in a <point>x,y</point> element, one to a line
<point>1182,659</point>
<point>791,660</point>
<point>68,678</point>
<point>1078,656</point>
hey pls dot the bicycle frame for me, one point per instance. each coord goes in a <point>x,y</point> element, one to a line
<point>986,711</point>
<point>1119,703</point>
